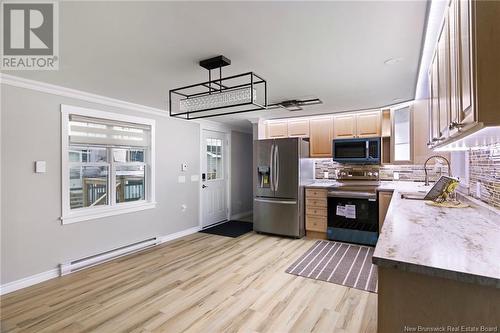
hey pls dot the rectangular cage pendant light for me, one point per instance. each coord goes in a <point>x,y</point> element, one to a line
<point>217,97</point>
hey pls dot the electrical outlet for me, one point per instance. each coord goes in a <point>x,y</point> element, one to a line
<point>40,166</point>
<point>183,207</point>
<point>395,175</point>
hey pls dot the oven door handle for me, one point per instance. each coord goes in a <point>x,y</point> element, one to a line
<point>352,195</point>
<point>284,202</point>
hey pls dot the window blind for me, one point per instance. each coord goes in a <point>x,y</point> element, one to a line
<point>88,130</point>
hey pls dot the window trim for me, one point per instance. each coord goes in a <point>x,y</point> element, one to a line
<point>71,216</point>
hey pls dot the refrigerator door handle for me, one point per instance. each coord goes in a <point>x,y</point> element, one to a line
<point>277,169</point>
<point>271,167</point>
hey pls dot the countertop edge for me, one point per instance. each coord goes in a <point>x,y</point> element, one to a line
<point>436,272</point>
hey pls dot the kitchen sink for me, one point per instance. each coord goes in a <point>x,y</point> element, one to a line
<point>419,195</point>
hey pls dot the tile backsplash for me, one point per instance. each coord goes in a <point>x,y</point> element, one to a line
<point>484,174</point>
<point>386,172</point>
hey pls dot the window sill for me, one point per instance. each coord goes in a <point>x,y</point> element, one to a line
<point>106,211</point>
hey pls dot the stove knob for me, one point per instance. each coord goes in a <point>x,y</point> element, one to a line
<point>370,174</point>
<point>375,174</point>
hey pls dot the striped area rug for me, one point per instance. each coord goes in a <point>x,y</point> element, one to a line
<point>345,264</point>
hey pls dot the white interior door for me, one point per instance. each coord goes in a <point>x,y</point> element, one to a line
<point>213,178</point>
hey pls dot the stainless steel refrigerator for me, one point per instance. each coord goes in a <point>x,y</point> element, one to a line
<point>281,168</point>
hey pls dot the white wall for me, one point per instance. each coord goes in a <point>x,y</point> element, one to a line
<point>241,172</point>
<point>32,237</point>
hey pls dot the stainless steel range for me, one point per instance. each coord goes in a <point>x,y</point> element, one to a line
<point>353,207</point>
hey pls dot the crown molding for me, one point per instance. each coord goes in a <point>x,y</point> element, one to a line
<point>53,89</point>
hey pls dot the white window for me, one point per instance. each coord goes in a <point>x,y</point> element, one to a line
<point>214,159</point>
<point>107,164</point>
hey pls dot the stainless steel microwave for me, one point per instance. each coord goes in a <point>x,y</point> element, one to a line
<point>357,151</point>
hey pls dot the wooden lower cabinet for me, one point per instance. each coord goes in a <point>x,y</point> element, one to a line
<point>407,300</point>
<point>316,213</point>
<point>384,199</point>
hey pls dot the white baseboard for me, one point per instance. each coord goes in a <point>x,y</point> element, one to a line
<point>241,215</point>
<point>53,273</point>
<point>213,225</point>
<point>28,281</point>
<point>179,234</point>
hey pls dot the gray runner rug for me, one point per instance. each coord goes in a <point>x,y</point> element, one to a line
<point>349,265</point>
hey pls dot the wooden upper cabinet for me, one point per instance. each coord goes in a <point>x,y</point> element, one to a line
<point>468,52</point>
<point>320,137</point>
<point>368,124</point>
<point>344,126</point>
<point>360,125</point>
<point>434,103</point>
<point>277,129</point>
<point>298,128</point>
<point>463,27</point>
<point>386,123</point>
<point>454,116</point>
<point>444,79</point>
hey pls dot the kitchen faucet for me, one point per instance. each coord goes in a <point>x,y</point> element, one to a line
<point>425,167</point>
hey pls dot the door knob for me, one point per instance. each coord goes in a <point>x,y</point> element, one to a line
<point>204,186</point>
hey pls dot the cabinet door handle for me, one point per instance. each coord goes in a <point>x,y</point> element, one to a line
<point>455,124</point>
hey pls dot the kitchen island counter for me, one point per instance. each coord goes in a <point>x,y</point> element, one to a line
<point>455,243</point>
<point>444,257</point>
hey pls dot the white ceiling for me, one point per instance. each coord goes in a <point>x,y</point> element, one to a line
<point>137,51</point>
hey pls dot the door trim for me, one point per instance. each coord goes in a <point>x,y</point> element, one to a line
<point>215,127</point>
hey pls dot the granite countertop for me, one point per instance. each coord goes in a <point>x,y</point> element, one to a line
<point>320,184</point>
<point>456,243</point>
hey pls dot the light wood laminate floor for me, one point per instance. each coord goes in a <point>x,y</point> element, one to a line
<point>199,283</point>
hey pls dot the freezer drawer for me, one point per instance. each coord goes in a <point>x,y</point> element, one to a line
<point>280,217</point>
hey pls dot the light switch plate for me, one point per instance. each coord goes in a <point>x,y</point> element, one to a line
<point>40,166</point>
<point>181,179</point>
<point>195,178</point>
